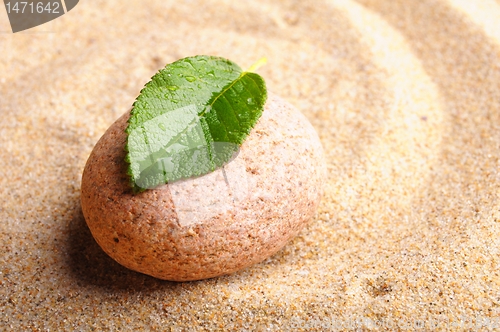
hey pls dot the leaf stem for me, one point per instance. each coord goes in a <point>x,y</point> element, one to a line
<point>261,62</point>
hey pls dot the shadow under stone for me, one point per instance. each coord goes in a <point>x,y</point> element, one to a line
<point>90,265</point>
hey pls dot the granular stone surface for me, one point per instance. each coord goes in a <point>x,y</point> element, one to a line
<point>405,98</point>
<point>214,224</point>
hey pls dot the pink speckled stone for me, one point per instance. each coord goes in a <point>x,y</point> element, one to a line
<point>214,224</point>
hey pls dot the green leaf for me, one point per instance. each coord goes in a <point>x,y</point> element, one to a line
<point>191,119</point>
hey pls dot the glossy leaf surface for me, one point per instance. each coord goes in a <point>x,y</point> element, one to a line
<point>190,119</point>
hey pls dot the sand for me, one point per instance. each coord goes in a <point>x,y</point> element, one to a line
<point>405,96</point>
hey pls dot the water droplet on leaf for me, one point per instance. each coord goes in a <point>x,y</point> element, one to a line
<point>190,78</point>
<point>172,87</point>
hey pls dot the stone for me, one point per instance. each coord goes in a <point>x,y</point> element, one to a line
<point>214,224</point>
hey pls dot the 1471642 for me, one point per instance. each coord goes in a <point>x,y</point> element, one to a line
<point>25,7</point>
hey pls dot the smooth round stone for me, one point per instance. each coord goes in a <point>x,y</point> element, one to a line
<point>214,224</point>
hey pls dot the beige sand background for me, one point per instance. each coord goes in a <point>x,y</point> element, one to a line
<point>405,96</point>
